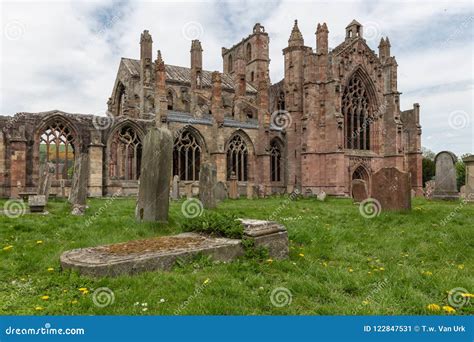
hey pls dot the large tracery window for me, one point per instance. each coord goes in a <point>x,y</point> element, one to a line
<point>275,162</point>
<point>237,158</point>
<point>125,154</point>
<point>356,110</point>
<point>186,157</point>
<point>56,150</point>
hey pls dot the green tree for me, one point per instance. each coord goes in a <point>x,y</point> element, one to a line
<point>461,171</point>
<point>428,165</point>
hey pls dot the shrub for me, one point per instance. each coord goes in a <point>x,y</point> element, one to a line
<point>212,223</point>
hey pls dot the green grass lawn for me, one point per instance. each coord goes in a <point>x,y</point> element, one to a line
<point>340,262</point>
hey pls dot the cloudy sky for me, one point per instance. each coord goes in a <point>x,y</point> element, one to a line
<point>64,54</point>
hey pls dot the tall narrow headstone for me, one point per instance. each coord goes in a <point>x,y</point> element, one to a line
<point>392,189</point>
<point>207,184</point>
<point>80,178</point>
<point>155,176</point>
<point>175,188</point>
<point>445,176</point>
<point>45,181</point>
<point>233,187</point>
<point>220,191</point>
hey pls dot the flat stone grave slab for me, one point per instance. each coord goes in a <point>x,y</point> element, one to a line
<point>162,253</point>
<point>37,203</point>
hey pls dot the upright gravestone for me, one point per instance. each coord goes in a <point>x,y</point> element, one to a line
<point>445,176</point>
<point>155,176</point>
<point>392,189</point>
<point>175,188</point>
<point>359,190</point>
<point>233,187</point>
<point>44,181</point>
<point>220,191</point>
<point>80,178</point>
<point>188,189</point>
<point>469,189</point>
<point>207,184</point>
<point>429,189</point>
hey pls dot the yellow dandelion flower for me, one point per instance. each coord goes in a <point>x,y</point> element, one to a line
<point>50,269</point>
<point>74,302</point>
<point>44,297</point>
<point>461,266</point>
<point>467,295</point>
<point>301,255</point>
<point>365,302</point>
<point>369,272</point>
<point>82,289</point>
<point>39,242</point>
<point>448,309</point>
<point>7,248</point>
<point>206,281</point>
<point>382,268</point>
<point>433,307</point>
<point>85,292</point>
<point>351,270</point>
<point>325,264</point>
<point>38,308</point>
<point>269,260</point>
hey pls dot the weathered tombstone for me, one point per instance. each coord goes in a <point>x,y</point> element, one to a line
<point>308,193</point>
<point>250,190</point>
<point>429,189</point>
<point>261,191</point>
<point>359,190</point>
<point>44,182</point>
<point>413,193</point>
<point>220,191</point>
<point>37,203</point>
<point>80,178</point>
<point>392,189</point>
<point>469,189</point>
<point>175,188</point>
<point>207,183</point>
<point>233,187</point>
<point>322,196</point>
<point>445,176</point>
<point>188,189</point>
<point>62,184</point>
<point>153,193</point>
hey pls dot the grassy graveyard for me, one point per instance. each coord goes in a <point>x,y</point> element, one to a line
<point>340,262</point>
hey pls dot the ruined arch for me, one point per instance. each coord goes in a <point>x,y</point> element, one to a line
<point>188,154</point>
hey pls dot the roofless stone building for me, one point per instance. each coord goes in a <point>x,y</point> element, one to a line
<point>334,117</point>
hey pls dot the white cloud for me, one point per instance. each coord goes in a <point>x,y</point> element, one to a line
<point>67,53</point>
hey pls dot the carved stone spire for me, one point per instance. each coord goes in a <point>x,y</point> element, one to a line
<point>296,38</point>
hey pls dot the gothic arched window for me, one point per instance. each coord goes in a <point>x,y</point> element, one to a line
<point>120,98</point>
<point>356,110</point>
<point>281,101</point>
<point>125,154</point>
<point>276,166</point>
<point>237,158</point>
<point>56,150</point>
<point>170,100</point>
<point>249,52</point>
<point>186,157</point>
<point>230,66</point>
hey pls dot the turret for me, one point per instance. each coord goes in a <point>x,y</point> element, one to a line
<point>354,30</point>
<point>161,104</point>
<point>384,49</point>
<point>322,39</point>
<point>146,73</point>
<point>196,64</point>
<point>216,99</point>
<point>296,38</point>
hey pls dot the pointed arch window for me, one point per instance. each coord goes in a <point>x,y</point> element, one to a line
<point>237,158</point>
<point>276,166</point>
<point>125,154</point>
<point>170,100</point>
<point>56,150</point>
<point>230,66</point>
<point>186,156</point>
<point>249,52</point>
<point>357,115</point>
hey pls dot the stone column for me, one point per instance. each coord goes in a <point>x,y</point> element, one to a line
<point>17,165</point>
<point>96,155</point>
